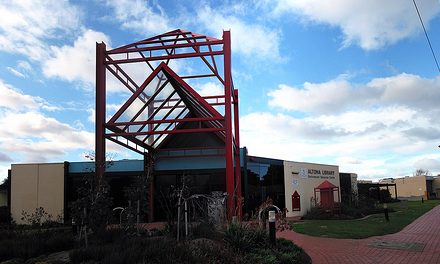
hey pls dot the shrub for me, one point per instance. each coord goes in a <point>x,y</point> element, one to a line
<point>206,230</point>
<point>32,244</point>
<point>244,239</point>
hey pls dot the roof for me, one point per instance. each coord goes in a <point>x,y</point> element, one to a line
<point>326,185</point>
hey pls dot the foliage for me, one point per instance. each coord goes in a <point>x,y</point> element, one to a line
<point>373,225</point>
<point>138,193</point>
<point>37,218</point>
<point>93,206</point>
<point>28,243</point>
<point>155,250</point>
<point>118,247</point>
<point>364,206</point>
<point>206,229</point>
<point>281,221</point>
<point>244,239</point>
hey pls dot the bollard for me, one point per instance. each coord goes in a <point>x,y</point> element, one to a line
<point>385,210</point>
<point>272,231</point>
<point>422,199</point>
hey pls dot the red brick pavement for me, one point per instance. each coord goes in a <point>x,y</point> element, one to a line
<point>425,230</point>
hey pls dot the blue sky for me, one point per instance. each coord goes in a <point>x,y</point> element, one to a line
<point>346,82</point>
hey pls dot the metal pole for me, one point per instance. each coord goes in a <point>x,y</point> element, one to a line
<point>137,215</point>
<point>186,218</point>
<point>178,219</point>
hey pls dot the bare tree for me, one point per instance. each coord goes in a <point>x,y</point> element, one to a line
<point>422,172</point>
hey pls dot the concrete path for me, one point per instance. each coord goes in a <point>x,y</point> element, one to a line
<point>423,235</point>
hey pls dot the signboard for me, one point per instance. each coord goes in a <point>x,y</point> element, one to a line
<point>303,173</point>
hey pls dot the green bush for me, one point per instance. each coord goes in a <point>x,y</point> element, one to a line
<point>206,230</point>
<point>244,239</point>
<point>252,244</point>
<point>264,256</point>
<point>28,244</point>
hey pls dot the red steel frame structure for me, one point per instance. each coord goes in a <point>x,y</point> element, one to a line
<point>157,117</point>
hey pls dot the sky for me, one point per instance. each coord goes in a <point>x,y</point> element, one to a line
<point>346,82</point>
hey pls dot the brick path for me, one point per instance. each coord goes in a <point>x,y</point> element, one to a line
<point>426,230</point>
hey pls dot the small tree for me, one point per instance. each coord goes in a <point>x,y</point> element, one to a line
<point>93,206</point>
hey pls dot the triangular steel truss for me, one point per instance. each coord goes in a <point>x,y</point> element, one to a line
<point>165,103</point>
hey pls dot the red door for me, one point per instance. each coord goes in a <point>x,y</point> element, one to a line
<point>327,199</point>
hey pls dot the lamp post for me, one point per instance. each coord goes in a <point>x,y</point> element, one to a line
<point>272,236</point>
<point>385,210</point>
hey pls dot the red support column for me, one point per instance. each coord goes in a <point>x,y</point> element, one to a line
<point>237,156</point>
<point>228,125</point>
<point>100,110</point>
<point>149,172</point>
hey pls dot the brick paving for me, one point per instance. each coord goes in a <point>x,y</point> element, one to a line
<point>425,230</point>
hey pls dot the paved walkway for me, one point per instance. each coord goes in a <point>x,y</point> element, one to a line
<point>425,230</point>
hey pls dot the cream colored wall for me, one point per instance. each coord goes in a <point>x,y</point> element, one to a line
<point>411,186</point>
<point>37,185</point>
<point>305,183</point>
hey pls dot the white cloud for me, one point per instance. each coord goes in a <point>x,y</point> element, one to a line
<point>340,95</point>
<point>210,88</point>
<point>14,99</point>
<point>37,137</point>
<point>21,70</point>
<point>29,135</point>
<point>247,39</point>
<point>25,26</point>
<point>431,164</point>
<point>77,62</point>
<point>16,72</point>
<point>373,155</point>
<point>322,97</point>
<point>364,128</point>
<point>144,17</point>
<point>370,24</point>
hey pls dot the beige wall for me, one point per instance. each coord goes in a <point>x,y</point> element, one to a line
<point>304,178</point>
<point>37,185</point>
<point>411,186</point>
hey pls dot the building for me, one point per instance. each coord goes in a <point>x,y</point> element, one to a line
<point>4,194</point>
<point>349,187</point>
<point>53,186</point>
<point>416,187</point>
<point>181,135</point>
<point>310,184</point>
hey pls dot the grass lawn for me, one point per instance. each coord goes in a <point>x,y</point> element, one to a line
<point>374,225</point>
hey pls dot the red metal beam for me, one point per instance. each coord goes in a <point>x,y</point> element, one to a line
<point>136,94</point>
<point>228,127</point>
<point>237,155</point>
<point>192,119</point>
<point>167,128</point>
<point>125,145</point>
<point>164,57</point>
<point>158,132</point>
<point>170,46</point>
<point>100,110</point>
